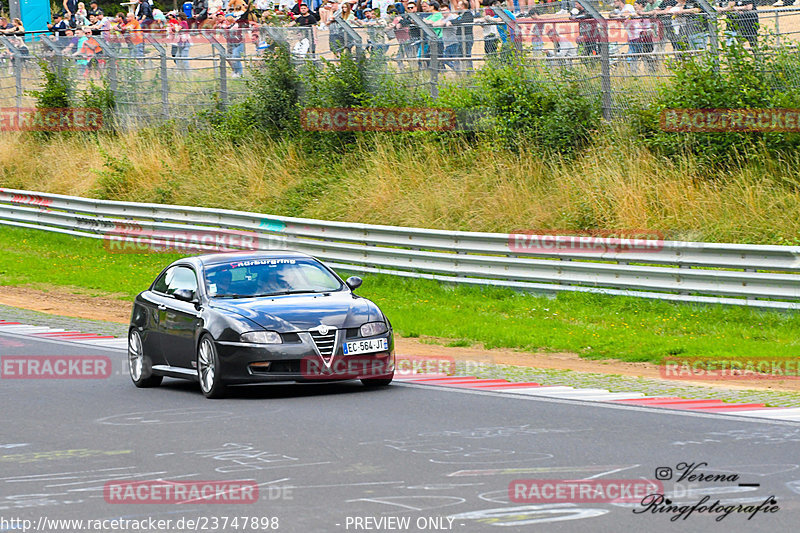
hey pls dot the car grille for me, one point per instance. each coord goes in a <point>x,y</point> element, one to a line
<point>325,343</point>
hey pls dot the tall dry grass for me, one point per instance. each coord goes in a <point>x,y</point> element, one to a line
<point>421,182</point>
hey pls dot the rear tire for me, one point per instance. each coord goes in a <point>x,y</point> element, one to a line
<point>139,365</point>
<point>208,369</point>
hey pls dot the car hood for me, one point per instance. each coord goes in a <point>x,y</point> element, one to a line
<point>294,312</point>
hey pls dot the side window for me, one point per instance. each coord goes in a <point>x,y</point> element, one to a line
<point>162,282</point>
<point>182,278</point>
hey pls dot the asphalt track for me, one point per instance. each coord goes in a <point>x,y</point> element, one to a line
<point>341,457</point>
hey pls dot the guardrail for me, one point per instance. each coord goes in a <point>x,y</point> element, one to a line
<point>738,274</point>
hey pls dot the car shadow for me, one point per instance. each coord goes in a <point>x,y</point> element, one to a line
<point>266,391</point>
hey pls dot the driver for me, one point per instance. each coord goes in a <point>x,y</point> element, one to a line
<point>222,280</point>
<point>271,279</point>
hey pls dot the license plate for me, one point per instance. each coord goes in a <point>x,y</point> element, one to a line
<point>372,345</point>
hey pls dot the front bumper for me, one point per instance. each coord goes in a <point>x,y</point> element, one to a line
<point>300,362</point>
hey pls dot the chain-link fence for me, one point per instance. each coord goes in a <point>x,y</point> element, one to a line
<point>616,55</point>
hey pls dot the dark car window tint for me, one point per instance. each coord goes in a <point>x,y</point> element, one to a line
<point>182,278</point>
<point>162,282</point>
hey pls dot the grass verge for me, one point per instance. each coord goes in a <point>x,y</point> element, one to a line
<point>594,326</point>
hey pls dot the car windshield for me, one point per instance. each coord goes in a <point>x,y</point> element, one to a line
<point>268,277</point>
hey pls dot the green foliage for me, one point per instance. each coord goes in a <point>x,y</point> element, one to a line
<point>102,98</point>
<point>114,180</point>
<point>735,79</point>
<point>56,91</point>
<point>529,111</point>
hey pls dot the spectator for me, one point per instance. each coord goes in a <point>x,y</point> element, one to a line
<point>94,9</point>
<point>103,25</point>
<point>692,27</point>
<point>645,36</point>
<point>87,49</point>
<point>376,32</point>
<point>234,37</point>
<point>143,14</point>
<point>466,36</point>
<point>562,47</point>
<point>81,12</point>
<point>589,36</point>
<point>199,13</point>
<point>215,6</point>
<point>665,24</point>
<point>406,31</point>
<point>70,8</point>
<point>69,42</point>
<point>498,31</point>
<point>306,19</point>
<point>15,28</point>
<point>132,30</point>
<point>59,26</point>
<point>451,44</point>
<point>742,21</point>
<point>186,8</point>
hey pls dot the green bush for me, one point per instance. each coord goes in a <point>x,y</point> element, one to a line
<point>735,79</point>
<point>526,109</point>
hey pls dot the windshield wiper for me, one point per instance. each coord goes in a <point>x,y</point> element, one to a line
<point>232,296</point>
<point>292,291</point>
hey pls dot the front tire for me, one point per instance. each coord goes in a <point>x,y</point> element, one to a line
<point>139,365</point>
<point>208,369</point>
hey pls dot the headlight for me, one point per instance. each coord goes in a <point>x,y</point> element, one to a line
<point>373,328</point>
<point>261,337</point>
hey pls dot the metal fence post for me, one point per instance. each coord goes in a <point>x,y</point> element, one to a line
<point>605,61</point>
<point>162,54</point>
<point>111,63</point>
<point>223,70</point>
<point>711,17</point>
<point>17,58</point>
<point>56,51</point>
<point>432,39</point>
<point>351,36</point>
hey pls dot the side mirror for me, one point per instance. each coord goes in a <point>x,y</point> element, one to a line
<point>184,295</point>
<point>354,282</point>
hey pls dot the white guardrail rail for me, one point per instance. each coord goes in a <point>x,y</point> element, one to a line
<point>738,274</point>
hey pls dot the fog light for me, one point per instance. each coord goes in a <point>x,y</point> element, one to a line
<point>261,365</point>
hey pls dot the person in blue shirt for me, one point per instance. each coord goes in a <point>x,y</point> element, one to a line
<point>187,8</point>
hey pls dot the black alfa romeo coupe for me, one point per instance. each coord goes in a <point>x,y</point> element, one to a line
<point>234,318</point>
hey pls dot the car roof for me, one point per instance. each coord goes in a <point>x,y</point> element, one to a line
<point>246,255</point>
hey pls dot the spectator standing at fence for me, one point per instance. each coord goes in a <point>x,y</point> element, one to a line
<point>742,21</point>
<point>177,33</point>
<point>307,20</point>
<point>562,46</point>
<point>81,12</point>
<point>624,12</point>
<point>406,32</point>
<point>15,28</point>
<point>589,36</point>
<point>234,41</point>
<point>132,30</point>
<point>59,26</point>
<point>84,50</point>
<point>376,32</point>
<point>466,36</point>
<point>496,32</point>
<point>691,27</point>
